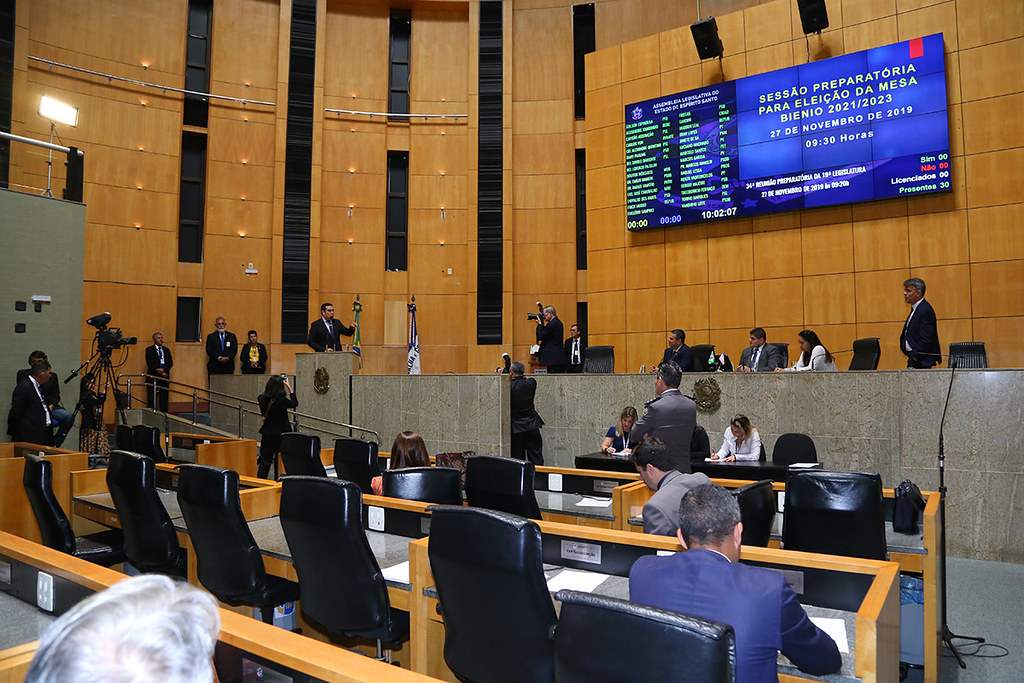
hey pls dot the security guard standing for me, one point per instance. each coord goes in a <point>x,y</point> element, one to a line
<point>670,416</point>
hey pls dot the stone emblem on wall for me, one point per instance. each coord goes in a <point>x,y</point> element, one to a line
<point>707,394</point>
<point>321,381</point>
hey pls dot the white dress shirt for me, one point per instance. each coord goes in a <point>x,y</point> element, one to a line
<point>817,364</point>
<point>913,308</point>
<point>750,449</point>
<point>574,355</point>
<point>46,409</point>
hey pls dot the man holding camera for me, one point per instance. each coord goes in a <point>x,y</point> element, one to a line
<point>550,334</point>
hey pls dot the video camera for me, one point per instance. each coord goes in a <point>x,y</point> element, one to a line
<point>109,338</point>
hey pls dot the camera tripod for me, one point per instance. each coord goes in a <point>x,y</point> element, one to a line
<point>99,375</point>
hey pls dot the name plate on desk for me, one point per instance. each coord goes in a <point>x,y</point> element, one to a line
<point>604,485</point>
<point>581,552</point>
<point>554,482</point>
<point>375,518</point>
<point>794,578</point>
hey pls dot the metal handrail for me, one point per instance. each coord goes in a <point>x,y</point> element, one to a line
<point>237,402</point>
<point>389,114</point>
<point>39,143</point>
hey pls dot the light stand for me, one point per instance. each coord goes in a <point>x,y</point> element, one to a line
<point>49,163</point>
<point>947,635</point>
<point>57,112</point>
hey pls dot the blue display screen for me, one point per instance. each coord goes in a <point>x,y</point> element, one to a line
<point>864,126</point>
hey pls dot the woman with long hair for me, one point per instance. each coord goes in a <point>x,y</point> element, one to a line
<point>813,356</point>
<point>275,402</point>
<point>408,450</point>
<point>92,437</point>
<point>740,442</point>
<point>617,438</point>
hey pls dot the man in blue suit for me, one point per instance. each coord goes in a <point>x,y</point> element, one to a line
<point>919,340</point>
<point>707,581</point>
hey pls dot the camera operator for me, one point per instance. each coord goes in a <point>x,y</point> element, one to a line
<point>550,334</point>
<point>51,392</point>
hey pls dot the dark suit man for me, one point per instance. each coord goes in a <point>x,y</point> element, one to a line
<point>51,392</point>
<point>221,349</point>
<point>550,333</point>
<point>655,465</point>
<point>325,332</point>
<point>30,418</point>
<point>678,352</point>
<point>159,363</point>
<point>254,356</point>
<point>919,340</point>
<point>760,356</point>
<point>707,581</point>
<point>575,349</point>
<point>527,443</point>
<point>671,417</point>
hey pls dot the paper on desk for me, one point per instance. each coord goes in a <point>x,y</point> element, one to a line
<point>804,465</point>
<point>594,503</point>
<point>398,573</point>
<point>571,579</point>
<point>836,630</point>
<point>624,453</point>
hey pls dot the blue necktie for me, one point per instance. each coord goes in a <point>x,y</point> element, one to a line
<point>222,342</point>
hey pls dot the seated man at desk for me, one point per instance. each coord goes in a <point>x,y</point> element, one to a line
<point>707,581</point>
<point>654,463</point>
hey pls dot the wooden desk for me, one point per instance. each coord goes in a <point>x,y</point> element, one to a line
<point>747,470</point>
<point>289,653</point>
<point>560,490</point>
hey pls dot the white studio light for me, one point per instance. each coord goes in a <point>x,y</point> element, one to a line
<point>57,111</point>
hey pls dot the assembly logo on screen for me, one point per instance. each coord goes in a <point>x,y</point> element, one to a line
<point>860,127</point>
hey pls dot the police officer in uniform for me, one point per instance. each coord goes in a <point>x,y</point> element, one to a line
<point>670,416</point>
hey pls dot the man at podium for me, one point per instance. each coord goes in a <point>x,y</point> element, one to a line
<point>325,332</point>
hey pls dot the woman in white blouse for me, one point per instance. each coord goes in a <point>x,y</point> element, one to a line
<point>741,442</point>
<point>813,355</point>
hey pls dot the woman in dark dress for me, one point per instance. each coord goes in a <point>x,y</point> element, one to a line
<point>275,402</point>
<point>92,437</point>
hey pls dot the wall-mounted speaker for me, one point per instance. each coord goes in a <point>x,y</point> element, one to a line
<point>705,37</point>
<point>813,15</point>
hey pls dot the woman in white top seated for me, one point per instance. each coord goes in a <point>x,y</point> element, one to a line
<point>741,442</point>
<point>813,355</point>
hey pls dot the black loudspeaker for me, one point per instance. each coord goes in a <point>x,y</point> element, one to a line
<point>705,37</point>
<point>75,176</point>
<point>813,15</point>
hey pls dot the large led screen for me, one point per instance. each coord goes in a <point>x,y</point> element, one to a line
<point>864,126</point>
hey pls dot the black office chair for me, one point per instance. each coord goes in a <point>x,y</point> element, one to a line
<point>498,615</point>
<point>835,513</point>
<point>968,354</point>
<point>794,447</point>
<point>228,561</point>
<point>784,350</point>
<point>150,543</point>
<point>501,484</point>
<point>700,444</point>
<point>104,548</point>
<point>123,438</point>
<point>701,354</point>
<point>355,460</point>
<point>147,441</point>
<point>617,641</point>
<point>757,512</point>
<point>441,485</point>
<point>599,360</point>
<point>341,585</point>
<point>301,455</point>
<point>866,354</point>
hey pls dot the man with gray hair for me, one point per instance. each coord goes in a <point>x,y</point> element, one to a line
<point>145,628</point>
<point>708,581</point>
<point>550,333</point>
<point>527,443</point>
<point>919,340</point>
<point>670,416</point>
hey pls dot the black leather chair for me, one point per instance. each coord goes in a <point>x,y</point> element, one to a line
<point>599,359</point>
<point>355,460</point>
<point>866,354</point>
<point>150,543</point>
<point>147,441</point>
<point>498,615</point>
<point>784,350</point>
<point>228,561</point>
<point>123,438</point>
<point>794,447</point>
<point>968,354</point>
<point>341,585</point>
<point>301,455</point>
<point>616,641</point>
<point>441,485</point>
<point>835,513</point>
<point>103,548</point>
<point>757,512</point>
<point>501,484</point>
<point>701,353</point>
<point>700,444</point>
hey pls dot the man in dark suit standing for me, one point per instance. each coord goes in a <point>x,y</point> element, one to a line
<point>325,332</point>
<point>158,363</point>
<point>221,349</point>
<point>760,356</point>
<point>707,581</point>
<point>575,349</point>
<point>550,333</point>
<point>919,340</point>
<point>527,443</point>
<point>254,356</point>
<point>677,352</point>
<point>670,416</point>
<point>30,418</point>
